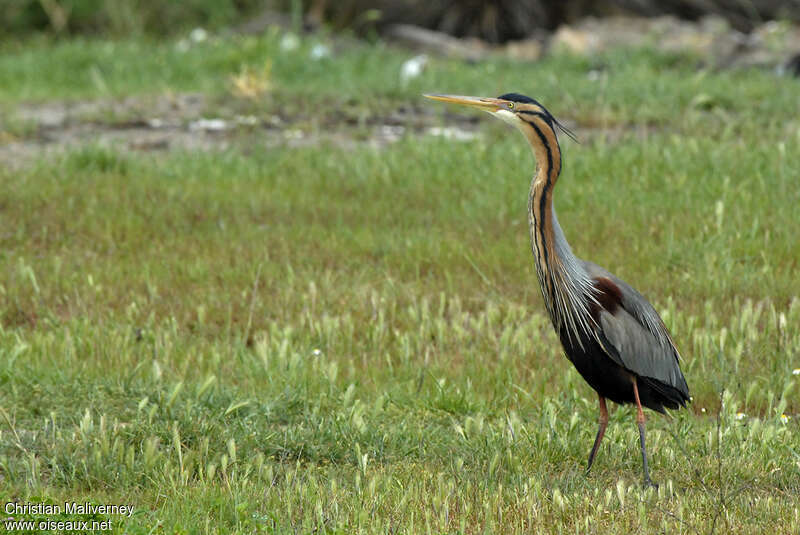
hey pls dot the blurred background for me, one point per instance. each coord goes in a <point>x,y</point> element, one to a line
<point>723,33</point>
<point>494,22</point>
<point>733,27</point>
<point>242,60</point>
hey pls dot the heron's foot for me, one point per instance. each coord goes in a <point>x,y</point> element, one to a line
<point>649,483</point>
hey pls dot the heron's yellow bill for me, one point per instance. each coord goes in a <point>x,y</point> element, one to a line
<point>482,103</point>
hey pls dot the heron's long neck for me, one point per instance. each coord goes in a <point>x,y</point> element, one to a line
<point>566,287</point>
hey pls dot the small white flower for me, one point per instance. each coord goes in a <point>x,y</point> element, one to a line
<point>289,42</point>
<point>319,51</point>
<point>317,352</point>
<point>740,416</point>
<point>198,35</point>
<point>413,67</point>
<point>703,409</point>
<point>796,371</point>
<point>785,418</point>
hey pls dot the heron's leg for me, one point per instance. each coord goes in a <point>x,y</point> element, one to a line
<point>600,432</point>
<point>640,421</point>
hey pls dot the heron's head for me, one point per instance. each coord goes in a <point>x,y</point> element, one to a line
<point>512,108</point>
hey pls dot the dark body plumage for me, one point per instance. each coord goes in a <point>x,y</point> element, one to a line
<point>627,346</point>
<point>609,331</point>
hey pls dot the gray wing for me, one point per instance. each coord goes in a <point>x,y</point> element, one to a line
<point>640,341</point>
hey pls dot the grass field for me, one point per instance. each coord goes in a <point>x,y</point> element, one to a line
<point>344,339</point>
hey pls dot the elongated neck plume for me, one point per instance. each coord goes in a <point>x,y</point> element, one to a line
<point>566,287</point>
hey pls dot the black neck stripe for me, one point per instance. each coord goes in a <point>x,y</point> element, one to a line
<point>544,116</point>
<point>543,198</point>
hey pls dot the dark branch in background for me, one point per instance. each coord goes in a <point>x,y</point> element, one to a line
<point>491,21</point>
<point>508,20</point>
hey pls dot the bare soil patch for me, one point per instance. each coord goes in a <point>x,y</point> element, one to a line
<point>190,122</point>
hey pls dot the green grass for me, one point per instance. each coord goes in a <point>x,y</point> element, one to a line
<point>113,18</point>
<point>352,340</point>
<point>623,87</point>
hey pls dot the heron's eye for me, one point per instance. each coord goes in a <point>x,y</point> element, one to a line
<point>510,105</point>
